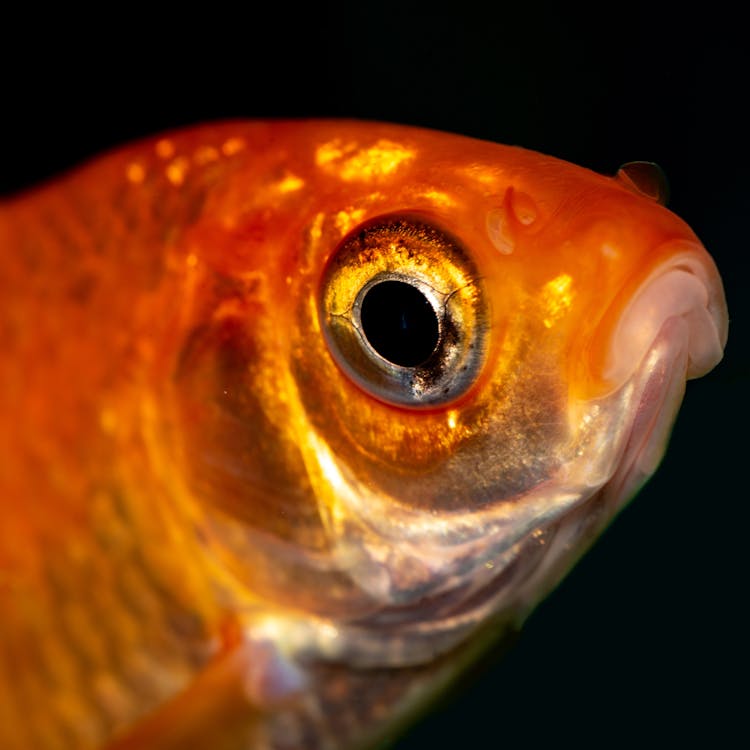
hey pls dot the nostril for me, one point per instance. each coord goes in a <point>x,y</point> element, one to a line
<point>686,287</point>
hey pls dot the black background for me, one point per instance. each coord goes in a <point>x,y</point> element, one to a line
<point>645,642</point>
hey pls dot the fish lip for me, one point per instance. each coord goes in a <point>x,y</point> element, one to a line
<point>685,284</point>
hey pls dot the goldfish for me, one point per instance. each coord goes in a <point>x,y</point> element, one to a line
<point>300,417</point>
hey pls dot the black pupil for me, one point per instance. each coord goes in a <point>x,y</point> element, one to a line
<point>399,323</point>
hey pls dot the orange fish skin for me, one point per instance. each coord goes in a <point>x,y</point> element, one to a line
<point>180,556</point>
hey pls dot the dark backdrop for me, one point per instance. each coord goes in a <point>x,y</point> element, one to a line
<point>645,642</point>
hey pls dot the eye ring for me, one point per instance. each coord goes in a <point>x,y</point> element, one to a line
<point>423,341</point>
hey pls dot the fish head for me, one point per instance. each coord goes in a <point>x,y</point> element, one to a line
<point>407,405</point>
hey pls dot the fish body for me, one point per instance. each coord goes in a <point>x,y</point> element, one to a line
<point>297,417</point>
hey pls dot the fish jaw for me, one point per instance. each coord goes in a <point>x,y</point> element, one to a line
<point>658,387</point>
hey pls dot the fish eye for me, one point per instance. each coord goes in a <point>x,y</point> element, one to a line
<point>404,312</point>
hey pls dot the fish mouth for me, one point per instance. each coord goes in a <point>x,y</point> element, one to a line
<point>676,328</point>
<point>687,287</point>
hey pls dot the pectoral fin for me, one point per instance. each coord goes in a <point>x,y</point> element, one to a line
<point>223,708</point>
